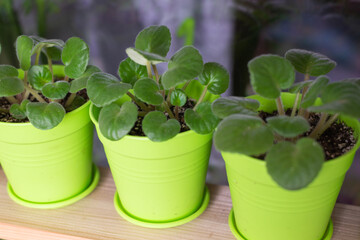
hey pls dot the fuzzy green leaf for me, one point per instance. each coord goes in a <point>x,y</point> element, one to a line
<point>243,134</point>
<point>8,71</point>
<point>45,115</point>
<point>75,56</point>
<point>341,98</point>
<point>269,74</point>
<point>147,90</point>
<point>294,166</point>
<point>158,129</point>
<point>223,107</point>
<point>38,76</point>
<point>52,47</point>
<point>24,46</point>
<point>297,87</point>
<point>186,64</point>
<point>116,121</point>
<point>186,30</point>
<point>308,62</point>
<point>81,82</point>
<point>42,43</point>
<point>18,111</point>
<point>142,57</point>
<point>104,88</point>
<point>288,126</point>
<point>129,71</point>
<point>54,53</point>
<point>154,39</point>
<point>57,90</point>
<point>315,89</point>
<point>353,80</point>
<point>178,98</point>
<point>201,120</point>
<point>215,77</point>
<point>10,86</point>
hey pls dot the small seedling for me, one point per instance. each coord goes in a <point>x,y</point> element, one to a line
<point>37,96</point>
<point>156,97</point>
<point>293,159</point>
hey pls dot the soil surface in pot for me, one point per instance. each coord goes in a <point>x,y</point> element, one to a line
<point>137,129</point>
<point>336,140</point>
<point>6,117</point>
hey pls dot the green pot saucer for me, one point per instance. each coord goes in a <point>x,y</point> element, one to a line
<point>57,204</point>
<point>152,224</point>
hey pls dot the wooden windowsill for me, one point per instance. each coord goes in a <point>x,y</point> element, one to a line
<point>96,218</point>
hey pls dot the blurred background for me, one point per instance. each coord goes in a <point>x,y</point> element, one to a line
<point>230,32</point>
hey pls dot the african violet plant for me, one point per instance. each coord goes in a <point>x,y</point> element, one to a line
<point>293,156</point>
<point>39,96</point>
<point>157,98</point>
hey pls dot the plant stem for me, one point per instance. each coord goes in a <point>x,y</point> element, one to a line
<point>279,106</point>
<point>319,125</point>
<point>201,97</point>
<point>142,113</point>
<point>327,125</point>
<point>26,94</point>
<point>306,114</point>
<point>35,94</point>
<point>156,72</point>
<point>37,56</point>
<point>168,110</point>
<point>293,112</point>
<point>70,99</point>
<point>148,67</point>
<point>140,104</point>
<point>169,94</point>
<point>50,67</point>
<point>66,79</point>
<point>177,112</point>
<point>301,110</point>
<point>186,84</point>
<point>25,77</point>
<point>12,99</point>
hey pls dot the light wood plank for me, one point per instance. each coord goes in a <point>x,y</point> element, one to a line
<point>96,218</point>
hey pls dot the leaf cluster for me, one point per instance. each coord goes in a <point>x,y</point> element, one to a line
<point>156,97</point>
<point>292,154</point>
<point>38,82</point>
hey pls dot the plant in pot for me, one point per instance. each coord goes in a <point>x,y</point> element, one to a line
<point>46,131</point>
<point>287,153</point>
<point>157,129</point>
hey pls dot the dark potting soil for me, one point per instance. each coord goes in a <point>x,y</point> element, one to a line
<point>137,129</point>
<point>4,104</point>
<point>336,140</point>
